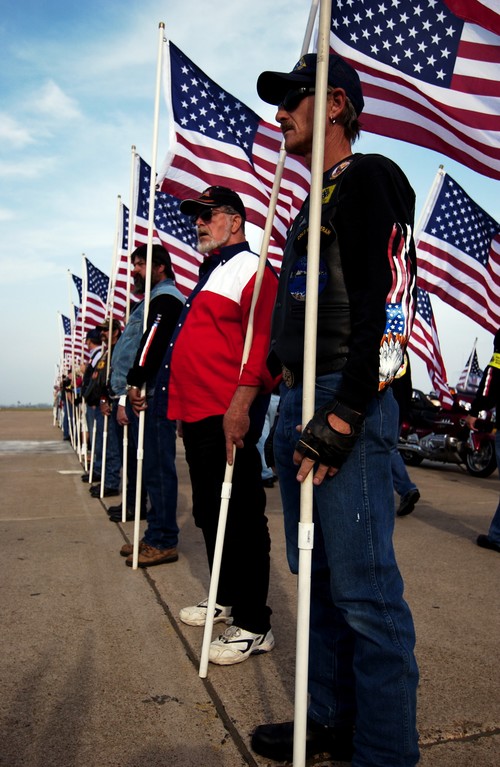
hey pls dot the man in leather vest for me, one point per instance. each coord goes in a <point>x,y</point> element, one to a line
<point>362,672</point>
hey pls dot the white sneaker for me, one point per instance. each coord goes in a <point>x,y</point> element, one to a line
<point>197,614</point>
<point>236,645</point>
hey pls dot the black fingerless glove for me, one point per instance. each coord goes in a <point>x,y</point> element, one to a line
<point>321,443</point>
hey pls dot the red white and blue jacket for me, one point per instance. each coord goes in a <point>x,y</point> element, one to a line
<point>202,367</point>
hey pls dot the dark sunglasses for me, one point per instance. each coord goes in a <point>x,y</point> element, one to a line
<point>293,98</point>
<point>205,214</point>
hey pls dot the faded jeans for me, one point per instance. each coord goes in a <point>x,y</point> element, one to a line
<point>362,668</point>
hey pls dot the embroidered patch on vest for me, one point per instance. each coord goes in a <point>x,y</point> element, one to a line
<point>340,169</point>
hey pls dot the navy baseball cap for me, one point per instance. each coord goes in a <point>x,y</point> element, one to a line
<point>273,86</point>
<point>213,197</point>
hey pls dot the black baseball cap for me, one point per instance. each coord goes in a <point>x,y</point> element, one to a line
<point>273,86</point>
<point>213,197</point>
<point>94,335</point>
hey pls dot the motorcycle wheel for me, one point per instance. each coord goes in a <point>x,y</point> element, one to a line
<point>411,459</point>
<point>483,462</point>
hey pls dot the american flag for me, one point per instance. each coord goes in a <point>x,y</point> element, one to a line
<point>79,286</point>
<point>96,296</point>
<point>66,325</point>
<point>171,228</point>
<point>67,340</point>
<point>471,375</point>
<point>486,13</point>
<point>123,273</point>
<point>428,76</point>
<point>217,139</point>
<point>424,341</point>
<point>458,254</point>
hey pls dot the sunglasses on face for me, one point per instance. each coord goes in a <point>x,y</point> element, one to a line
<point>205,214</point>
<point>293,98</point>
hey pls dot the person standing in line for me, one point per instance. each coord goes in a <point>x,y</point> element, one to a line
<point>221,407</point>
<point>91,395</point>
<point>362,672</point>
<point>159,543</point>
<point>107,407</point>
<point>488,397</point>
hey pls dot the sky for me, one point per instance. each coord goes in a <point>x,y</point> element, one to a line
<point>77,84</point>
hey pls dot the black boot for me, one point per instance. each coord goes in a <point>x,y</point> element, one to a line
<point>275,741</point>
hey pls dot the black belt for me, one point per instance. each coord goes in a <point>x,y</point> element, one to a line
<point>293,376</point>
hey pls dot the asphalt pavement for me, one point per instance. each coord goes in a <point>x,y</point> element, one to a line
<point>98,671</point>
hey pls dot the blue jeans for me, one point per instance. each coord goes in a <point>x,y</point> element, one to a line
<point>159,477</point>
<point>400,477</point>
<point>267,472</point>
<point>114,447</point>
<point>494,531</point>
<point>68,414</point>
<point>362,668</point>
<point>91,419</point>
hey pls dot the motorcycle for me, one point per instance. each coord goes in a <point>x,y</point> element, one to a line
<point>433,433</point>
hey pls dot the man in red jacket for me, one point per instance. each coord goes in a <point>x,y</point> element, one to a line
<point>221,406</point>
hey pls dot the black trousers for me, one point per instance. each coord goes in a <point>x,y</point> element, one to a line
<point>244,576</point>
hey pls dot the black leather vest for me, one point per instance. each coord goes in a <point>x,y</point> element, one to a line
<point>334,325</point>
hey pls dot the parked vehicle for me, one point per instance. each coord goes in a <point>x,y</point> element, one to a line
<point>433,433</point>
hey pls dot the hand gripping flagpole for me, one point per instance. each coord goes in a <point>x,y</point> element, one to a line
<point>306,526</point>
<point>147,293</point>
<point>228,475</point>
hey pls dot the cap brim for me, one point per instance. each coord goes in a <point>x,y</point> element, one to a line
<point>190,207</point>
<point>272,87</point>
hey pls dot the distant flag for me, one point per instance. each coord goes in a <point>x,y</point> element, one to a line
<point>79,286</point>
<point>424,342</point>
<point>486,13</point>
<point>216,139</point>
<point>66,325</point>
<point>72,341</point>
<point>67,336</point>
<point>96,296</point>
<point>171,228</point>
<point>458,254</point>
<point>471,375</point>
<point>123,274</point>
<point>428,76</point>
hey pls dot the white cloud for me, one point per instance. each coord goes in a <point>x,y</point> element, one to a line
<point>13,133</point>
<point>52,101</point>
<point>24,169</point>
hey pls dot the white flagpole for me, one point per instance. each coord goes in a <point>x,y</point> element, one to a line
<point>147,290</point>
<point>429,203</point>
<point>131,224</point>
<point>227,483</point>
<point>127,315</point>
<point>109,308</point>
<point>306,526</point>
<point>471,358</point>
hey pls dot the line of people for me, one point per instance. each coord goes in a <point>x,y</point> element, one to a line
<point>363,673</point>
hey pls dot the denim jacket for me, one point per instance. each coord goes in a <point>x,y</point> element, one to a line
<point>128,343</point>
